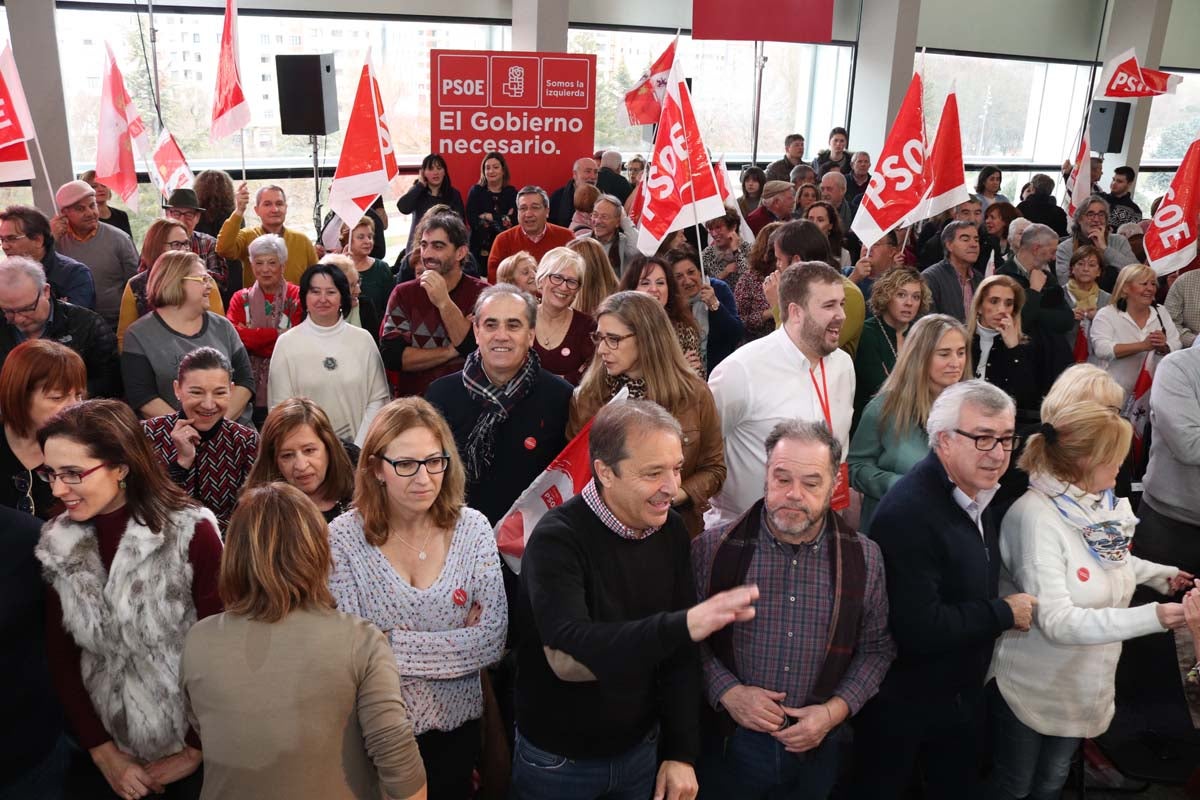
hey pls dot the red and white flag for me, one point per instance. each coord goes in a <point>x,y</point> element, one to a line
<point>367,161</point>
<point>1124,77</point>
<point>725,185</point>
<point>171,170</point>
<point>230,111</point>
<point>1171,238</point>
<point>1137,410</point>
<point>643,103</point>
<point>119,131</point>
<point>15,161</point>
<point>898,179</point>
<point>943,168</point>
<point>1079,182</point>
<point>681,189</point>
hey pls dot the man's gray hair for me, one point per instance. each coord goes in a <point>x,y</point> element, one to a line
<point>13,268</point>
<point>1015,229</point>
<point>539,191</point>
<point>1037,233</point>
<point>837,177</point>
<point>947,409</point>
<point>616,422</point>
<point>269,244</point>
<point>800,169</point>
<point>270,187</point>
<point>860,153</point>
<point>509,290</point>
<point>807,432</point>
<point>952,228</point>
<point>1041,183</point>
<point>611,159</point>
<point>612,200</point>
<point>1084,206</point>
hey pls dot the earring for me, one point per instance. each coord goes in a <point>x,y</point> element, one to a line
<point>121,484</point>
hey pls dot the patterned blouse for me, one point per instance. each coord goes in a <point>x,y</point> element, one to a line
<point>752,304</point>
<point>439,659</point>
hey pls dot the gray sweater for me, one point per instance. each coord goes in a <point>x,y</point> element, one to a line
<point>946,290</point>
<point>1174,469</point>
<point>113,260</point>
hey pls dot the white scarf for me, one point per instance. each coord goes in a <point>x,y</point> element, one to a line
<point>987,337</point>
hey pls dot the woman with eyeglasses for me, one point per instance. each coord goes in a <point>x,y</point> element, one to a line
<point>39,378</point>
<point>636,349</point>
<point>131,565</point>
<point>298,446</point>
<point>163,236</point>
<point>179,291</point>
<point>327,359</point>
<point>1091,227</point>
<point>563,334</point>
<point>415,561</point>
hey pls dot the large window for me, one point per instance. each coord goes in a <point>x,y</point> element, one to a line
<point>805,89</point>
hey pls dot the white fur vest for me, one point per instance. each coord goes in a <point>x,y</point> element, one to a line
<point>129,623</point>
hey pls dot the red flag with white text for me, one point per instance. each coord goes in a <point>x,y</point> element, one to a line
<point>943,167</point>
<point>725,185</point>
<point>1124,77</point>
<point>15,161</point>
<point>120,131</point>
<point>642,105</point>
<point>171,170</point>
<point>681,189</point>
<point>1170,240</point>
<point>230,110</point>
<point>367,161</point>
<point>898,179</point>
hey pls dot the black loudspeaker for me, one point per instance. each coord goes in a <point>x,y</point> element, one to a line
<point>307,94</point>
<point>1109,120</point>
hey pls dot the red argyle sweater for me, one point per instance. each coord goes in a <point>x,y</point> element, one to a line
<point>224,456</point>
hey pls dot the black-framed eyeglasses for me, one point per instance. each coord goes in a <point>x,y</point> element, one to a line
<point>986,442</point>
<point>70,477</point>
<point>184,245</point>
<point>23,483</point>
<point>613,340</point>
<point>29,309</point>
<point>562,280</point>
<point>407,467</point>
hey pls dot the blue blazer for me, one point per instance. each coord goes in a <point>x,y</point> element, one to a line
<point>725,328</point>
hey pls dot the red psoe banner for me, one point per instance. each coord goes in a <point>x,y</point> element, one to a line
<point>781,21</point>
<point>1171,238</point>
<point>538,110</point>
<point>1124,77</point>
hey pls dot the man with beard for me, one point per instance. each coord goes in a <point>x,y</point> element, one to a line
<point>426,333</point>
<point>797,371</point>
<point>784,683</point>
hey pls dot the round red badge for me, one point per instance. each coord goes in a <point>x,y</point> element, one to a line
<point>530,443</point>
<point>1083,574</point>
<point>459,597</point>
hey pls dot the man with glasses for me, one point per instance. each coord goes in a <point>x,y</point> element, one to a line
<point>607,213</point>
<point>107,251</point>
<point>939,539</point>
<point>184,207</point>
<point>534,233</point>
<point>25,231</point>
<point>33,311</point>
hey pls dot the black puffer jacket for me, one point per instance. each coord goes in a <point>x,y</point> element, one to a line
<point>85,332</point>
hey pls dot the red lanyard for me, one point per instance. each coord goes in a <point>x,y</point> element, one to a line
<point>822,393</point>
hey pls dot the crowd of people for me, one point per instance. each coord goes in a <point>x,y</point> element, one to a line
<point>848,508</point>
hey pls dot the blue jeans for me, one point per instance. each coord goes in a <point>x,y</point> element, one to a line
<point>749,765</point>
<point>541,775</point>
<point>1026,763</point>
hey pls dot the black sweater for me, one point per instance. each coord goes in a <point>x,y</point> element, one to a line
<point>942,581</point>
<point>619,607</point>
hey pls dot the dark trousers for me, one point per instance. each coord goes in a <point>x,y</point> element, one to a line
<point>450,758</point>
<point>1165,540</point>
<point>935,740</point>
<point>748,765</point>
<point>85,781</point>
<point>538,774</point>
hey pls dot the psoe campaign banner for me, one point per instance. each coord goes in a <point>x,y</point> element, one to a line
<point>536,109</point>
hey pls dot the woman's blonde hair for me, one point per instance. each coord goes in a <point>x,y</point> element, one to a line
<point>886,287</point>
<point>1080,382</point>
<point>556,260</point>
<point>343,262</point>
<point>907,395</point>
<point>1128,274</point>
<point>507,268</point>
<point>370,494</point>
<point>1086,435</point>
<point>599,280</point>
<point>670,382</point>
<point>164,288</point>
<point>276,558</point>
<point>981,294</point>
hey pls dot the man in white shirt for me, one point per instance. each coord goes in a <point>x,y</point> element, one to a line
<point>795,372</point>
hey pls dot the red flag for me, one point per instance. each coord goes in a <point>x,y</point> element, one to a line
<point>1171,238</point>
<point>563,479</point>
<point>15,163</point>
<point>725,185</point>
<point>643,103</point>
<point>230,110</point>
<point>119,130</point>
<point>681,189</point>
<point>781,21</point>
<point>367,161</point>
<point>943,168</point>
<point>1079,182</point>
<point>1125,77</point>
<point>15,125</point>
<point>898,180</point>
<point>171,168</point>
<point>1137,411</point>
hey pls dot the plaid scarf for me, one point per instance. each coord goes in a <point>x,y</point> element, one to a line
<point>498,402</point>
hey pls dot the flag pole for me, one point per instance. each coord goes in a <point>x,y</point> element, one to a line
<point>42,161</point>
<point>760,61</point>
<point>242,142</point>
